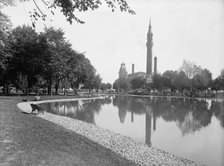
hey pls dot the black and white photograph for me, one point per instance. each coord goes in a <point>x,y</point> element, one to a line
<point>111,83</point>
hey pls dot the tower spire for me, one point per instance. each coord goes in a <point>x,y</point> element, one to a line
<point>150,26</point>
<point>149,45</point>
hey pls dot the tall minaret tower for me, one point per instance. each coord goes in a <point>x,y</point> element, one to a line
<point>155,65</point>
<point>149,45</point>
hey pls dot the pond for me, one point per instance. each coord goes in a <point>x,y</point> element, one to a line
<point>190,128</point>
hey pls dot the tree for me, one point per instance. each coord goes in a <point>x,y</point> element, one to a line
<point>4,3</point>
<point>5,27</point>
<point>221,79</point>
<point>103,87</point>
<point>58,51</point>
<point>28,55</point>
<point>215,84</point>
<point>202,81</point>
<point>69,7</point>
<point>97,82</point>
<point>160,82</point>
<point>171,76</point>
<point>122,84</point>
<point>92,80</point>
<point>207,77</point>
<point>182,82</point>
<point>79,69</point>
<point>21,82</point>
<point>5,53</point>
<point>137,82</point>
<point>115,85</point>
<point>108,85</point>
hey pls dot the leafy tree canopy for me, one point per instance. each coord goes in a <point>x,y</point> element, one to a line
<point>69,8</point>
<point>5,27</point>
<point>221,79</point>
<point>137,82</point>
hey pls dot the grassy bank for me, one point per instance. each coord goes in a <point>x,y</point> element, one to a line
<point>28,140</point>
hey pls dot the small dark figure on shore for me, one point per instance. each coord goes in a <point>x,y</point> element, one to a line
<point>37,107</point>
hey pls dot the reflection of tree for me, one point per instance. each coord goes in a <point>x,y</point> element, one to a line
<point>218,109</point>
<point>82,110</point>
<point>136,105</point>
<point>106,101</point>
<point>201,113</point>
<point>65,108</point>
<point>89,110</point>
<point>189,114</point>
<point>133,104</point>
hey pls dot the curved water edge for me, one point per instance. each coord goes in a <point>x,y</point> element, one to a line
<point>125,146</point>
<point>25,106</point>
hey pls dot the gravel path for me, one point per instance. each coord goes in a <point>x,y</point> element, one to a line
<point>29,140</point>
<point>135,152</point>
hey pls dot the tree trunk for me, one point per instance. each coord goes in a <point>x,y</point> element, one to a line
<point>26,91</point>
<point>7,89</point>
<point>75,91</point>
<point>50,86</point>
<point>4,89</point>
<point>56,90</point>
<point>38,91</point>
<point>65,87</point>
<point>56,86</point>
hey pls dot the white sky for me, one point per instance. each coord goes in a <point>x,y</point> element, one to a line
<point>182,29</point>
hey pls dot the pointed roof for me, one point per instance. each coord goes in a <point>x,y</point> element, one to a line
<point>150,23</point>
<point>150,27</point>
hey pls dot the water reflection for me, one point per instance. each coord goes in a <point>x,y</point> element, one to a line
<point>82,110</point>
<point>190,115</point>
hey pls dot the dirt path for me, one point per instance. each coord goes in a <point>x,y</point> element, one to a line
<point>28,140</point>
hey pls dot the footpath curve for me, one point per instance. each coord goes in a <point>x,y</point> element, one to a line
<point>124,146</point>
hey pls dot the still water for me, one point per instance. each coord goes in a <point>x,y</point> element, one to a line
<point>193,129</point>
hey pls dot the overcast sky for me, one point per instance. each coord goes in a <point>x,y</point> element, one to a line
<point>182,29</point>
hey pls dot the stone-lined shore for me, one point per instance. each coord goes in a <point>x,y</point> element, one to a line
<point>127,147</point>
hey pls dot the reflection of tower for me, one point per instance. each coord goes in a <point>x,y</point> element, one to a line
<point>132,116</point>
<point>149,45</point>
<point>148,119</point>
<point>148,129</point>
<point>133,68</point>
<point>154,122</point>
<point>155,65</point>
<point>123,72</point>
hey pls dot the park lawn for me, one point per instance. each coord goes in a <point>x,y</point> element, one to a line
<point>29,140</point>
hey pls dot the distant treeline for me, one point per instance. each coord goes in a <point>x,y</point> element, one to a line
<point>189,78</point>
